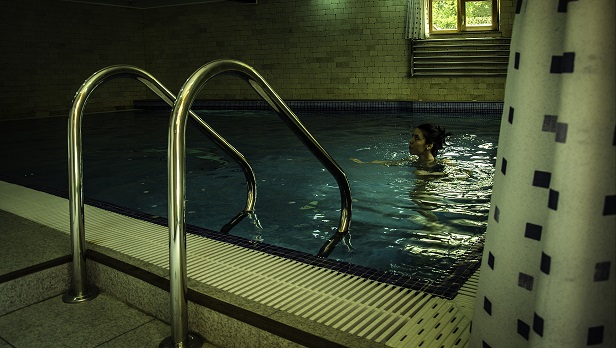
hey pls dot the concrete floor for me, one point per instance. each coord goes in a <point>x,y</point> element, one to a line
<point>102,322</point>
<point>32,312</point>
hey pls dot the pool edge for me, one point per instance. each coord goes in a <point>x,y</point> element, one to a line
<point>404,318</point>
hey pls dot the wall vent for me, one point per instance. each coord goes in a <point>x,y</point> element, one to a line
<point>460,57</point>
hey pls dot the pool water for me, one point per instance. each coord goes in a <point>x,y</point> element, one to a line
<point>400,222</point>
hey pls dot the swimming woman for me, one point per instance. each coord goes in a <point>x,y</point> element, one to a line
<point>425,142</point>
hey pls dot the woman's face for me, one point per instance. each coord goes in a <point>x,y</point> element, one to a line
<point>417,143</point>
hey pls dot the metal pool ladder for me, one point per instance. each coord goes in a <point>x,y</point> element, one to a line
<point>177,170</point>
<point>79,290</point>
<point>177,141</point>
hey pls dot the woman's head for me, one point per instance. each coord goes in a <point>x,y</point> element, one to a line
<point>427,137</point>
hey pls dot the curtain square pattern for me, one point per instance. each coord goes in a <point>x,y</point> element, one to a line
<point>547,273</point>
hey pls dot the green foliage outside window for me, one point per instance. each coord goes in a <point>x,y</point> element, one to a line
<point>479,13</point>
<point>445,15</point>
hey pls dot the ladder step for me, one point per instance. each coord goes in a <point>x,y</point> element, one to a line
<point>483,38</point>
<point>462,58</point>
<point>456,64</point>
<point>466,73</point>
<point>467,51</point>
<point>502,69</point>
<point>461,46</point>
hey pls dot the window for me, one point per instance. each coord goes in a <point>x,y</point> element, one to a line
<point>454,16</point>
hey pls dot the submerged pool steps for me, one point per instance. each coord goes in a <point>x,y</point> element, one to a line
<point>266,296</point>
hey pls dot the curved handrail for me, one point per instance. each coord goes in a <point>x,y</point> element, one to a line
<point>79,291</point>
<point>177,138</point>
<point>177,170</point>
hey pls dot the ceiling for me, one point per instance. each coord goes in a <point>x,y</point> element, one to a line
<point>148,4</point>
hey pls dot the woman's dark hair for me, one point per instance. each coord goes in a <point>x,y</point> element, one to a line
<point>435,135</point>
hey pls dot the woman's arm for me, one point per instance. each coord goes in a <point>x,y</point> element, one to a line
<point>383,162</point>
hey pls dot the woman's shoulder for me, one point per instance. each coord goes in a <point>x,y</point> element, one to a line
<point>437,168</point>
<point>435,165</point>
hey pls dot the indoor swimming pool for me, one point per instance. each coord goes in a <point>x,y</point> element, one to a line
<point>401,223</point>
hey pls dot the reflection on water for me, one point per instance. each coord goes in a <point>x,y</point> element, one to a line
<point>400,222</point>
<point>452,213</point>
<point>257,234</point>
<point>423,224</point>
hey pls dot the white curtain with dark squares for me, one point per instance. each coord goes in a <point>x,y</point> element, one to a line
<point>416,19</point>
<point>547,273</point>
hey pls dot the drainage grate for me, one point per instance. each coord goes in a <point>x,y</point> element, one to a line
<point>437,324</point>
<point>376,311</point>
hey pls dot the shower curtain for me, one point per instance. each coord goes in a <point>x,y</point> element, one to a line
<point>416,19</point>
<point>547,273</point>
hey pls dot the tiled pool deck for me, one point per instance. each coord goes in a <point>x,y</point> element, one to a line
<point>34,273</point>
<point>362,313</point>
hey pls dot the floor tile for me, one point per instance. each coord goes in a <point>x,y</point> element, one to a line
<point>52,323</point>
<point>19,250</point>
<point>149,334</point>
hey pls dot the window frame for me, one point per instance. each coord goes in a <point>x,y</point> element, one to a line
<point>461,18</point>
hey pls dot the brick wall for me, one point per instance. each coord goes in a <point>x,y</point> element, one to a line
<point>507,14</point>
<point>49,48</point>
<point>323,50</point>
<point>306,50</point>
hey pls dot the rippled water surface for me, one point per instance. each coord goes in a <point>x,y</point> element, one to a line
<point>401,222</point>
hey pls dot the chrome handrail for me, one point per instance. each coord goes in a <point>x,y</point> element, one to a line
<point>79,290</point>
<point>177,170</point>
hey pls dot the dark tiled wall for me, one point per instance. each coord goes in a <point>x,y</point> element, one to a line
<point>49,48</point>
<point>306,50</point>
<point>462,108</point>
